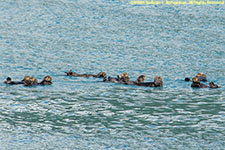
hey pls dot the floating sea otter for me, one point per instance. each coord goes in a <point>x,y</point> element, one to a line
<point>46,81</point>
<point>99,75</point>
<point>29,81</point>
<point>125,80</point>
<point>124,77</point>
<point>201,76</point>
<point>196,84</point>
<point>9,81</point>
<point>158,82</point>
<point>122,80</point>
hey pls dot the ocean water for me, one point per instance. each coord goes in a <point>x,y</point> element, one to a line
<point>49,37</point>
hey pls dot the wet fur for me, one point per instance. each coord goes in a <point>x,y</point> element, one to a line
<point>99,75</point>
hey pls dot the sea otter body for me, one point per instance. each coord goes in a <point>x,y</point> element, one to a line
<point>124,79</point>
<point>139,80</point>
<point>99,75</point>
<point>46,81</point>
<point>30,81</point>
<point>158,82</point>
<point>9,81</point>
<point>202,77</point>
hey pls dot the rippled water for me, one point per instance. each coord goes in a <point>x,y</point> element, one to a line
<point>40,38</point>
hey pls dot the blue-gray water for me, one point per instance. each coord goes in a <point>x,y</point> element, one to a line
<point>49,37</point>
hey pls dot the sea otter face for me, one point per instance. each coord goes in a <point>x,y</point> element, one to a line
<point>141,78</point>
<point>125,77</point>
<point>26,78</point>
<point>47,78</point>
<point>211,84</point>
<point>8,79</point>
<point>195,80</point>
<point>33,80</point>
<point>101,74</point>
<point>158,81</point>
<point>201,75</point>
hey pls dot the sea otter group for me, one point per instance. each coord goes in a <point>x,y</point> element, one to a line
<point>30,81</point>
<point>196,81</point>
<point>123,79</point>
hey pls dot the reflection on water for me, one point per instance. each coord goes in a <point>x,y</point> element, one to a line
<point>51,37</point>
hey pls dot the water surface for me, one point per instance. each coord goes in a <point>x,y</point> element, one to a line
<point>40,38</point>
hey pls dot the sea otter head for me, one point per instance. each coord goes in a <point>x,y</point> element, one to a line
<point>141,78</point>
<point>47,78</point>
<point>69,73</point>
<point>125,77</point>
<point>158,81</point>
<point>101,75</point>
<point>34,80</point>
<point>124,74</point>
<point>195,80</point>
<point>187,79</point>
<point>25,78</point>
<point>8,79</point>
<point>201,76</point>
<point>211,84</point>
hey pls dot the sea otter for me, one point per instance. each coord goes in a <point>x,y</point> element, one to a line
<point>124,78</point>
<point>99,75</point>
<point>201,76</point>
<point>46,81</point>
<point>158,82</point>
<point>196,83</point>
<point>140,79</point>
<point>30,81</point>
<point>9,81</point>
<point>213,85</point>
